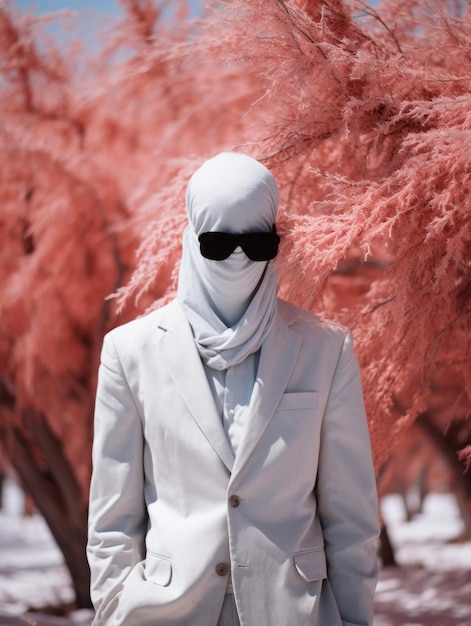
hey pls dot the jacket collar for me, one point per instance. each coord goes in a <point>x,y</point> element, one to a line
<point>184,364</point>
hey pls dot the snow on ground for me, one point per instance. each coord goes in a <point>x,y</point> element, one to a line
<point>32,573</point>
<point>432,586</point>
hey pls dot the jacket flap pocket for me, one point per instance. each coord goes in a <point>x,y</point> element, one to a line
<point>311,564</point>
<point>298,400</point>
<point>158,569</point>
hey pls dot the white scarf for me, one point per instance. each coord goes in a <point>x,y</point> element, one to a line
<point>230,304</point>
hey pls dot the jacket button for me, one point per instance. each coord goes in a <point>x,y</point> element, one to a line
<point>222,569</point>
<point>234,501</point>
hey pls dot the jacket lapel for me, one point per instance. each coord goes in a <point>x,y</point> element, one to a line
<point>277,360</point>
<point>184,364</point>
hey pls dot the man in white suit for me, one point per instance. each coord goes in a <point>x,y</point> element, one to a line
<point>233,481</point>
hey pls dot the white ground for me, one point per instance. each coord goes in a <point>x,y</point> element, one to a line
<point>431,588</point>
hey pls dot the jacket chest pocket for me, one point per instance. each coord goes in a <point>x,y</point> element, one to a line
<point>292,436</point>
<point>299,400</point>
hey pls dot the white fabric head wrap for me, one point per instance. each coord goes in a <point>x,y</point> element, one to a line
<point>230,304</point>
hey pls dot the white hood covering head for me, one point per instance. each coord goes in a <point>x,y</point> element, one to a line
<point>230,304</point>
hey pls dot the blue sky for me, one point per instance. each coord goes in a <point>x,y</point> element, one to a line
<point>42,6</point>
<point>85,28</point>
<point>110,7</point>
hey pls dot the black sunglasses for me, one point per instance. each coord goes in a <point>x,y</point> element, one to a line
<point>257,246</point>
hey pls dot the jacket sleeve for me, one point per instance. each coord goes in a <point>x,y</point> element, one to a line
<point>117,512</point>
<point>346,493</point>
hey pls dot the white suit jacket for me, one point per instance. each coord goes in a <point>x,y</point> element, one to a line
<point>294,515</point>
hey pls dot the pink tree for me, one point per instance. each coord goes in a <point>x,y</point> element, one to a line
<point>364,119</point>
<point>361,112</point>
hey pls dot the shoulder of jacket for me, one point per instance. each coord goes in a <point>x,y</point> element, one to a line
<point>306,322</point>
<point>142,326</point>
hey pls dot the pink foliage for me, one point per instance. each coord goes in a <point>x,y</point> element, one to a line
<point>365,122</point>
<point>361,112</point>
<point>61,251</point>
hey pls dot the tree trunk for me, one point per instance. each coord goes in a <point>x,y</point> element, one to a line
<point>422,488</point>
<point>386,549</point>
<point>448,443</point>
<point>46,475</point>
<point>57,496</point>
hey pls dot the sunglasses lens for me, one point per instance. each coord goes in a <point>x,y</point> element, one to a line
<point>216,246</point>
<point>261,246</point>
